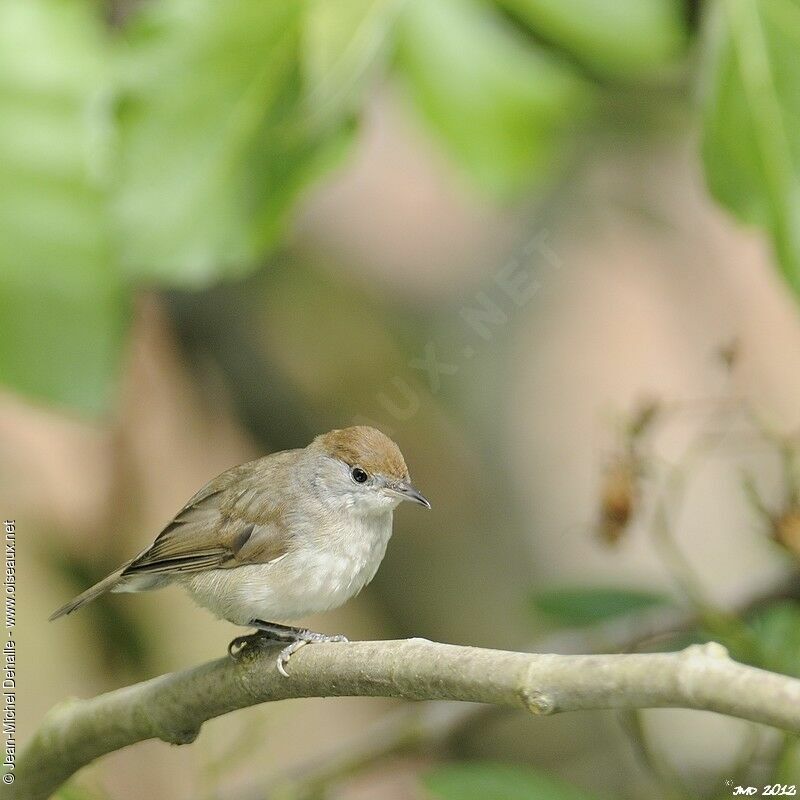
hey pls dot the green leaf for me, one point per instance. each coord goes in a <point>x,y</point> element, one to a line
<point>62,309</point>
<point>500,106</point>
<point>777,633</point>
<point>751,143</point>
<point>615,37</point>
<point>485,781</point>
<point>215,136</point>
<point>590,605</point>
<point>345,47</point>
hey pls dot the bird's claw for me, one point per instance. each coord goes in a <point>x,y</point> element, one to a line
<point>238,645</point>
<point>304,638</point>
<point>285,654</point>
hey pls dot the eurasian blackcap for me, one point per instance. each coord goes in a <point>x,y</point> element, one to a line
<point>270,541</point>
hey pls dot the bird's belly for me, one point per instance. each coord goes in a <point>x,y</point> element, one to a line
<point>292,587</point>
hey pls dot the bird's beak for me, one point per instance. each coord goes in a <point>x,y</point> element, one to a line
<point>405,491</point>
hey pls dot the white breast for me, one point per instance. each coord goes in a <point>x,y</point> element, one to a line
<point>320,574</point>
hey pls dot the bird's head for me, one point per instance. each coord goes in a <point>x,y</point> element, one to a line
<point>362,470</point>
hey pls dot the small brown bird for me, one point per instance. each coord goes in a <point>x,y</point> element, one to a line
<point>287,535</point>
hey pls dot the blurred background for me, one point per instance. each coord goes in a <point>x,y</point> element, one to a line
<point>551,247</point>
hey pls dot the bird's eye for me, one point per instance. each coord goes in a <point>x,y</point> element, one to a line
<point>358,475</point>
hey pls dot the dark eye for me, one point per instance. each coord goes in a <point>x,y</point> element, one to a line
<point>358,475</point>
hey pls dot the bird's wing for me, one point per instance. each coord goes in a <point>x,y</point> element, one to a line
<point>229,522</point>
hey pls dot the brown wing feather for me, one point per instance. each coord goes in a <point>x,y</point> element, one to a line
<point>226,524</point>
<point>231,521</point>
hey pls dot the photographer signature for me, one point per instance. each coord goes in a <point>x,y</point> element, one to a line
<point>770,790</point>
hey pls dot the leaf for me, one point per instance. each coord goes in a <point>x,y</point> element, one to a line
<point>621,38</point>
<point>500,106</point>
<point>345,45</point>
<point>486,781</point>
<point>777,633</point>
<point>751,140</point>
<point>62,306</point>
<point>215,138</point>
<point>590,605</point>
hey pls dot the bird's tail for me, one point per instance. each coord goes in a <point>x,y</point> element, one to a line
<point>103,586</point>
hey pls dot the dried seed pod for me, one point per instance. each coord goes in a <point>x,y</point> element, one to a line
<point>619,494</point>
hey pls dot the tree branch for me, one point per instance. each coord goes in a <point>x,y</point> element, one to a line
<point>174,707</point>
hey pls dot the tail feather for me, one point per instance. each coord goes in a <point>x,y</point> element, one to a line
<point>103,586</point>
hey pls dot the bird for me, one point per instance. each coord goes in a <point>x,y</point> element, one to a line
<point>273,540</point>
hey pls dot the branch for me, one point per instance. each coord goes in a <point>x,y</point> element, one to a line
<point>438,726</point>
<point>174,707</point>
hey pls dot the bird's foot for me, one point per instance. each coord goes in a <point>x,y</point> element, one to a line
<point>304,637</point>
<point>270,633</point>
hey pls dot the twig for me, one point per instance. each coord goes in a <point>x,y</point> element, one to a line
<point>174,707</point>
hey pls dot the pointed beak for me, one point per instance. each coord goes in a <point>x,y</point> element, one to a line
<point>405,491</point>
